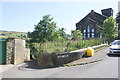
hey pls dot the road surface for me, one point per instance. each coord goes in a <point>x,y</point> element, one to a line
<point>107,68</point>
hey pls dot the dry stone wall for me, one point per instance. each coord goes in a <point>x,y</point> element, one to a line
<point>16,52</point>
<point>10,51</point>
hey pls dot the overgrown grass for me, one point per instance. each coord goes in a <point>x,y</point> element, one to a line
<point>101,48</point>
<point>67,45</point>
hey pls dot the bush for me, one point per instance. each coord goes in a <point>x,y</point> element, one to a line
<point>63,46</point>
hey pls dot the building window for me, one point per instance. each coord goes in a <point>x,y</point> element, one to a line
<point>88,35</point>
<point>92,30</point>
<point>92,35</point>
<point>84,31</point>
<point>88,32</point>
<point>100,35</point>
<point>84,35</point>
<point>88,28</point>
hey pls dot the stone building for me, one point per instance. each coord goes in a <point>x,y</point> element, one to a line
<point>91,24</point>
<point>118,19</point>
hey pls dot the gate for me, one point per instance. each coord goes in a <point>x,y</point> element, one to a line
<point>3,51</point>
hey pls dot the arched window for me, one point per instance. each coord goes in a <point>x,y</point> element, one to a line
<point>88,35</point>
<point>93,30</point>
<point>100,35</point>
<point>88,28</point>
<point>84,31</point>
<point>84,35</point>
<point>93,35</point>
<point>88,31</point>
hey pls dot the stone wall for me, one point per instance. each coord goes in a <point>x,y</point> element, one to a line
<point>27,54</point>
<point>10,51</point>
<point>63,58</point>
<point>51,60</point>
<point>19,51</point>
<point>16,52</point>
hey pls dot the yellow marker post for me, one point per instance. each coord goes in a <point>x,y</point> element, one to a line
<point>90,51</point>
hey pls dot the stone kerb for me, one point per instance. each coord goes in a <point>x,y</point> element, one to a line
<point>98,46</point>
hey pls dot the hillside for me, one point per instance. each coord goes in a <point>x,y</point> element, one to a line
<point>12,34</point>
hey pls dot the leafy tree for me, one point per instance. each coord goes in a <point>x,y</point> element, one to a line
<point>22,36</point>
<point>76,34</point>
<point>118,15</point>
<point>110,28</point>
<point>60,34</point>
<point>57,35</point>
<point>43,31</point>
<point>62,30</point>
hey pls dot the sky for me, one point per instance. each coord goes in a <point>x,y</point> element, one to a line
<point>21,15</point>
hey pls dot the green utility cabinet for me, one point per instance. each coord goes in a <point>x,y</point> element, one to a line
<point>3,51</point>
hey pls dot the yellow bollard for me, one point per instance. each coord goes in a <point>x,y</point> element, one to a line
<point>90,51</point>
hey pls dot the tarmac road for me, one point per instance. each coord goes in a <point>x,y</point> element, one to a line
<point>107,68</point>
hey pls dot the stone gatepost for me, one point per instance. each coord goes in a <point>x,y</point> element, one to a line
<point>16,51</point>
<point>10,51</point>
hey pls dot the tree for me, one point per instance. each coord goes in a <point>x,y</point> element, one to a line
<point>76,34</point>
<point>60,34</point>
<point>118,15</point>
<point>62,30</point>
<point>57,35</point>
<point>110,29</point>
<point>43,31</point>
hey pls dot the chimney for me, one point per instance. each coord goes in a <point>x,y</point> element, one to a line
<point>107,12</point>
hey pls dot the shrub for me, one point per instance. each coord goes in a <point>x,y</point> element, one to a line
<point>63,46</point>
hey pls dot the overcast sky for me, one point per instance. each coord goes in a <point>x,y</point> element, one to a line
<point>21,15</point>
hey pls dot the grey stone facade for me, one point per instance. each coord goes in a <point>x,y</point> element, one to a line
<point>118,20</point>
<point>91,24</point>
